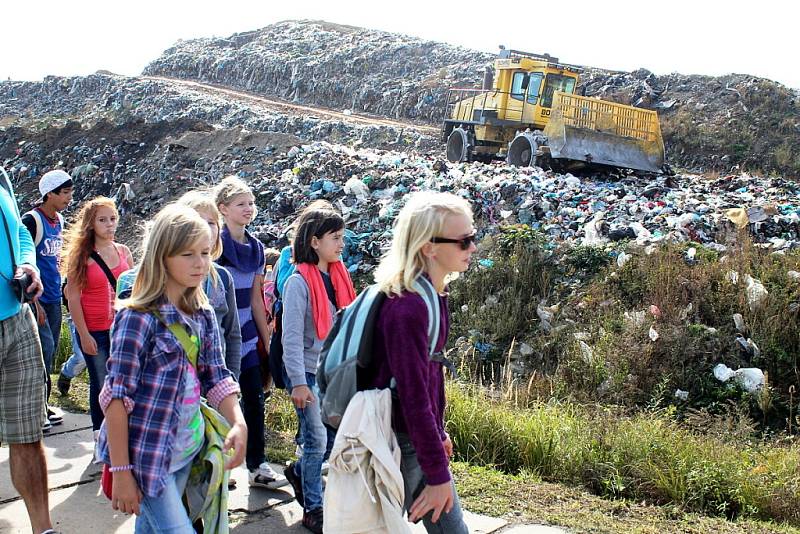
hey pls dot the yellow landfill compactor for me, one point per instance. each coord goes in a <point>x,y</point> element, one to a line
<point>529,114</point>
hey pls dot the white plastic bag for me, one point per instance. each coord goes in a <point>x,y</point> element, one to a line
<point>756,292</point>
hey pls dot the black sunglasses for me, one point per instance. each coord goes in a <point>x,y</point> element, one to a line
<point>465,242</point>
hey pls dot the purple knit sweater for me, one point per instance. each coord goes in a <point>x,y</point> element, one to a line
<point>401,351</point>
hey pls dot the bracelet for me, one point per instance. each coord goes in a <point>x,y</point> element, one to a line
<point>118,468</point>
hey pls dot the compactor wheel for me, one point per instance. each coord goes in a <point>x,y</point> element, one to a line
<point>459,145</point>
<point>522,150</point>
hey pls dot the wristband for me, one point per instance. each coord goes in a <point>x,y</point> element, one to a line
<point>118,468</point>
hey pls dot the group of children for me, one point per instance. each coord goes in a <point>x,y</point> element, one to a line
<point>180,335</point>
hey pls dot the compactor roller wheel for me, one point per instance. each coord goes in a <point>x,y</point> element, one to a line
<point>459,145</point>
<point>522,150</point>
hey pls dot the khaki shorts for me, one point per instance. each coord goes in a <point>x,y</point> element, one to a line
<point>22,380</point>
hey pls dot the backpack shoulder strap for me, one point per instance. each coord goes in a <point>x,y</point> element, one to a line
<point>37,220</point>
<point>431,298</point>
<point>190,343</point>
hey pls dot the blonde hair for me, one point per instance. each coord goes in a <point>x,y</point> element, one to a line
<point>79,240</point>
<point>174,229</point>
<point>422,218</point>
<point>229,188</point>
<point>201,200</point>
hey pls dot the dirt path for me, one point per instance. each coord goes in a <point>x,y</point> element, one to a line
<point>275,104</point>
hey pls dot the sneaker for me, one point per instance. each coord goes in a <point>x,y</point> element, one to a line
<point>265,477</point>
<point>46,427</point>
<point>63,384</point>
<point>312,520</point>
<point>295,481</point>
<point>54,417</point>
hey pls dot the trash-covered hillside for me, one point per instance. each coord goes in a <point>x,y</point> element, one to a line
<point>709,123</point>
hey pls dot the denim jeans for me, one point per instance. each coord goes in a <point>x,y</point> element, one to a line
<point>75,364</point>
<point>315,441</point>
<point>96,365</point>
<point>414,482</point>
<point>252,404</point>
<point>166,513</point>
<point>49,335</point>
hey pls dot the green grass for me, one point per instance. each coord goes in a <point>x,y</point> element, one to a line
<point>525,498</point>
<point>645,457</point>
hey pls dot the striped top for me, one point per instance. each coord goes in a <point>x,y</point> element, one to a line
<point>243,282</point>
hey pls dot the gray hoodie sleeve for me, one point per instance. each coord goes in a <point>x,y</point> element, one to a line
<point>230,324</point>
<point>295,307</point>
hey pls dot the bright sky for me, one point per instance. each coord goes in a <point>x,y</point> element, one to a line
<point>79,37</point>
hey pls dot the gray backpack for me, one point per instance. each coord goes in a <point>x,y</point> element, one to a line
<point>348,347</point>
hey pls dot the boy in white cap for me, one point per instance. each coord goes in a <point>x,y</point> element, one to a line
<point>46,225</point>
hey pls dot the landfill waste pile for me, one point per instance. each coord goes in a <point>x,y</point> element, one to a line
<point>120,99</point>
<point>709,123</point>
<point>330,65</point>
<point>369,186</point>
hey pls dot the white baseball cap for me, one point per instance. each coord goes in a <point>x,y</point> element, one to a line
<point>52,180</point>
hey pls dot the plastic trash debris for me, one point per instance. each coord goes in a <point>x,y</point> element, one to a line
<point>653,334</point>
<point>738,322</point>
<point>546,314</point>
<point>655,311</point>
<point>756,292</point>
<point>525,349</point>
<point>723,373</point>
<point>681,395</point>
<point>635,319</point>
<point>690,256</point>
<point>622,259</point>
<point>587,354</point>
<point>794,275</point>
<point>738,216</point>
<point>750,378</point>
<point>356,187</point>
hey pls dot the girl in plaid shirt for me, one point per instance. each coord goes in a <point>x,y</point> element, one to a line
<point>151,395</point>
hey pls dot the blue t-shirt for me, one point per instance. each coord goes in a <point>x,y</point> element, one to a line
<point>21,245</point>
<point>48,253</point>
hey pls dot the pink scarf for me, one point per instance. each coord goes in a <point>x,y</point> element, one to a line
<point>342,287</point>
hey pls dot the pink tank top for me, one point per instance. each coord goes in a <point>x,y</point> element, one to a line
<point>97,297</point>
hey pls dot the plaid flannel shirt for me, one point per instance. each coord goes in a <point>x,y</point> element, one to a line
<point>146,369</point>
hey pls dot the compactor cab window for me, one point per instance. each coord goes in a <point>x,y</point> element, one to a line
<point>533,87</point>
<point>556,82</point>
<point>517,91</point>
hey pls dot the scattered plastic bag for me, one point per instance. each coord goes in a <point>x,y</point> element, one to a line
<point>546,315</point>
<point>756,292</point>
<point>681,395</point>
<point>750,378</point>
<point>653,334</point>
<point>356,187</point>
<point>738,322</point>
<point>723,373</point>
